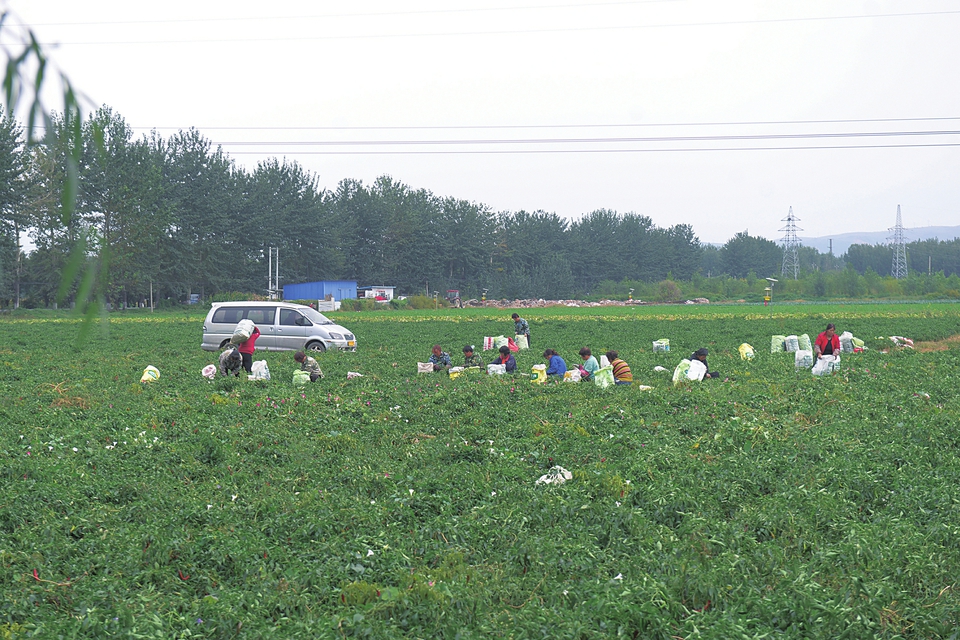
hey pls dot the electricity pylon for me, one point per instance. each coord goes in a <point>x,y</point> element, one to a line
<point>899,244</point>
<point>791,259</point>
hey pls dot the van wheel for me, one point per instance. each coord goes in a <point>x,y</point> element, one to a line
<point>223,345</point>
<point>316,346</point>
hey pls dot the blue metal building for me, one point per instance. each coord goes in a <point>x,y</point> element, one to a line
<point>339,289</point>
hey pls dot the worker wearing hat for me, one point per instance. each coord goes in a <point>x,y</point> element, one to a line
<point>701,355</point>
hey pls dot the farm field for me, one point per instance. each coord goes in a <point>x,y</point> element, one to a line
<point>767,503</point>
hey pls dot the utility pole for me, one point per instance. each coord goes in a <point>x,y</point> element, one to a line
<point>791,259</point>
<point>273,273</point>
<point>899,244</point>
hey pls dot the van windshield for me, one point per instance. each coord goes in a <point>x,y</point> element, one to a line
<point>316,317</point>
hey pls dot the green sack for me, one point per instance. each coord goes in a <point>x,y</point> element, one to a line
<point>776,344</point>
<point>805,344</point>
<point>603,378</point>
<point>301,377</point>
<point>680,373</point>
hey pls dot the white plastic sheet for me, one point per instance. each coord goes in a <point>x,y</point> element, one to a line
<point>556,475</point>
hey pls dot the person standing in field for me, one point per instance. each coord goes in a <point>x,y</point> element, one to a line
<point>308,364</point>
<point>440,359</point>
<point>621,372</point>
<point>246,348</point>
<point>827,343</point>
<point>590,365</point>
<point>556,366</point>
<point>521,326</point>
<point>506,358</point>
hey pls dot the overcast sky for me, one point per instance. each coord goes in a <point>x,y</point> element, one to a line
<point>552,104</point>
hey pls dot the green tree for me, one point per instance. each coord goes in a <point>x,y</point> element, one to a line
<point>14,188</point>
<point>203,251</point>
<point>283,207</point>
<point>744,253</point>
<point>121,200</point>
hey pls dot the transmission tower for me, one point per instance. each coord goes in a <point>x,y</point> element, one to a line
<point>791,259</point>
<point>899,244</point>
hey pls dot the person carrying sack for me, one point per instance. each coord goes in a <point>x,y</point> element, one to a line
<point>247,347</point>
<point>521,326</point>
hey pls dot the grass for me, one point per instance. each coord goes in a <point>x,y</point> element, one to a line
<point>397,505</point>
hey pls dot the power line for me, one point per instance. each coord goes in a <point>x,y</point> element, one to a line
<point>763,136</point>
<point>375,14</point>
<point>512,31</point>
<point>544,151</point>
<point>556,126</point>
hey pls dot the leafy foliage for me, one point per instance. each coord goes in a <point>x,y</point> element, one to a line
<point>397,505</point>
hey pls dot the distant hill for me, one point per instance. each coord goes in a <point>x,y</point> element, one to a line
<point>842,241</point>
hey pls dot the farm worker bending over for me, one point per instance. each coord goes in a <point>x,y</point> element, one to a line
<point>308,364</point>
<point>827,343</point>
<point>556,367</point>
<point>246,349</point>
<point>470,359</point>
<point>621,372</point>
<point>506,358</point>
<point>521,326</point>
<point>440,359</point>
<point>701,355</point>
<point>590,364</point>
<point>230,361</point>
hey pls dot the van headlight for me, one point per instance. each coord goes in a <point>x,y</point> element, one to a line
<point>336,336</point>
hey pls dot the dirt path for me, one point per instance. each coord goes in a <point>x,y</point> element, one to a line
<point>938,345</point>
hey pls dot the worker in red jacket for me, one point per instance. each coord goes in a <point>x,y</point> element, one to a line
<point>827,343</point>
<point>246,349</point>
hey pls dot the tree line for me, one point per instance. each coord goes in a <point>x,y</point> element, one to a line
<point>176,216</point>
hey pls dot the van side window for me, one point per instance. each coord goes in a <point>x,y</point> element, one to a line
<point>262,315</point>
<point>293,318</point>
<point>228,315</point>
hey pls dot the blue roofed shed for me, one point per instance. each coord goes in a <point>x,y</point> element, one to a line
<point>339,289</point>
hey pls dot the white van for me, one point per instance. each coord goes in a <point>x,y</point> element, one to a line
<point>284,326</point>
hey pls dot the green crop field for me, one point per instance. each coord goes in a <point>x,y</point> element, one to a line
<point>767,503</point>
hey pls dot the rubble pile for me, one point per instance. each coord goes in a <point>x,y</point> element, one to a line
<point>539,303</point>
